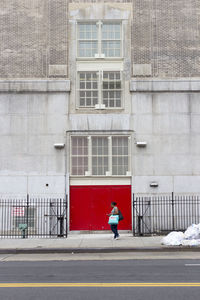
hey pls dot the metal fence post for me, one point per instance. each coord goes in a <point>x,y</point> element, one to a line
<point>66,212</point>
<point>173,223</point>
<point>133,215</point>
<point>27,208</point>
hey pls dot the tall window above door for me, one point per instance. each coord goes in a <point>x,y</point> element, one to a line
<point>101,39</point>
<point>100,155</point>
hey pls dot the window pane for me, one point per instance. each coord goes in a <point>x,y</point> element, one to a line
<point>79,155</point>
<point>88,89</point>
<point>99,155</point>
<point>87,49</point>
<point>112,89</point>
<point>87,31</point>
<point>111,48</point>
<point>120,155</point>
<point>111,40</point>
<point>87,36</point>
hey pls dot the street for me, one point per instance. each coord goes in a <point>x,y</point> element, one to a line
<point>122,278</point>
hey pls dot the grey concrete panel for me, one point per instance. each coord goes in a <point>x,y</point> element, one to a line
<point>13,145</point>
<point>141,103</point>
<point>173,164</point>
<point>195,123</point>
<point>195,103</point>
<point>37,103</point>
<point>5,127</point>
<point>18,103</point>
<point>56,163</point>
<point>43,144</point>
<point>18,124</point>
<point>141,184</point>
<point>164,103</point>
<point>4,104</point>
<point>13,185</point>
<point>171,124</point>
<point>37,185</point>
<point>37,124</point>
<point>186,184</point>
<point>56,124</point>
<point>195,161</point>
<point>195,143</point>
<point>143,164</point>
<point>142,124</point>
<point>57,104</point>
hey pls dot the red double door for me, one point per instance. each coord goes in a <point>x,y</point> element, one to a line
<point>90,204</point>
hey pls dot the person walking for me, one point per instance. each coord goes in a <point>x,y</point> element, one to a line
<point>114,211</point>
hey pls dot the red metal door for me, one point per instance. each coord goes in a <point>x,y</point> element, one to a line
<point>90,204</point>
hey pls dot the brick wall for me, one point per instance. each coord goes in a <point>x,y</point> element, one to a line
<point>33,37</point>
<point>166,34</point>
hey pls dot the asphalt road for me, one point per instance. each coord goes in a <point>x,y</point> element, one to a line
<point>117,279</point>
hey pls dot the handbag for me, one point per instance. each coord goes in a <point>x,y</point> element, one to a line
<point>113,219</point>
<point>120,216</point>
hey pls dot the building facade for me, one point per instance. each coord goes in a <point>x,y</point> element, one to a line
<point>99,100</point>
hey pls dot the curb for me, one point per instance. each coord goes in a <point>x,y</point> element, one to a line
<point>97,250</point>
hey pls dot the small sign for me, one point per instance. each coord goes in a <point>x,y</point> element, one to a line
<point>18,212</point>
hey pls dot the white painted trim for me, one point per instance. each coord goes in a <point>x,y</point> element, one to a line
<point>100,181</point>
<point>100,65</point>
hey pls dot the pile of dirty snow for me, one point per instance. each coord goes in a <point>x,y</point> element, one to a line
<point>191,237</point>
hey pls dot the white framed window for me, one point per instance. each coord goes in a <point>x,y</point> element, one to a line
<point>101,39</point>
<point>100,155</point>
<point>79,155</point>
<point>87,39</point>
<point>112,89</point>
<point>88,89</point>
<point>101,89</point>
<point>111,39</point>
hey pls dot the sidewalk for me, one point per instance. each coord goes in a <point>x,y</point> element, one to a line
<point>87,243</point>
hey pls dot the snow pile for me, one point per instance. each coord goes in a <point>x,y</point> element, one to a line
<point>191,237</point>
<point>174,238</point>
<point>193,232</point>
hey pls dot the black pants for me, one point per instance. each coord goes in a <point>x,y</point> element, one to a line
<point>114,230</point>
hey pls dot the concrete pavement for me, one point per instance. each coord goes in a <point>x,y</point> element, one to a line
<point>87,243</point>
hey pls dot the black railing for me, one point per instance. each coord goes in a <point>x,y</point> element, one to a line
<point>33,217</point>
<point>162,214</point>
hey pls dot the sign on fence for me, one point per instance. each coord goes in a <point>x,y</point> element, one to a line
<point>18,211</point>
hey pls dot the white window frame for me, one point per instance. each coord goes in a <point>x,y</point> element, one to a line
<point>100,104</point>
<point>100,55</point>
<point>88,173</point>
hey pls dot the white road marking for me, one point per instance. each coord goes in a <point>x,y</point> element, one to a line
<point>192,265</point>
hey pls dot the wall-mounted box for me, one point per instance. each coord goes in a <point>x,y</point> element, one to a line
<point>141,144</point>
<point>59,145</point>
<point>153,184</point>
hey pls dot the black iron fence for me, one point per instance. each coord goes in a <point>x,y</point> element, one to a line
<point>162,214</point>
<point>33,217</point>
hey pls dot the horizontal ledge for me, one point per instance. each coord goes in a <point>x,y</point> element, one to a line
<point>165,85</point>
<point>34,86</point>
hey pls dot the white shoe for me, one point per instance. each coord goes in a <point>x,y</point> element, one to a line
<point>117,238</point>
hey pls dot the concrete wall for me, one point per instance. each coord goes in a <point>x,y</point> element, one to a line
<point>166,115</point>
<point>33,117</point>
